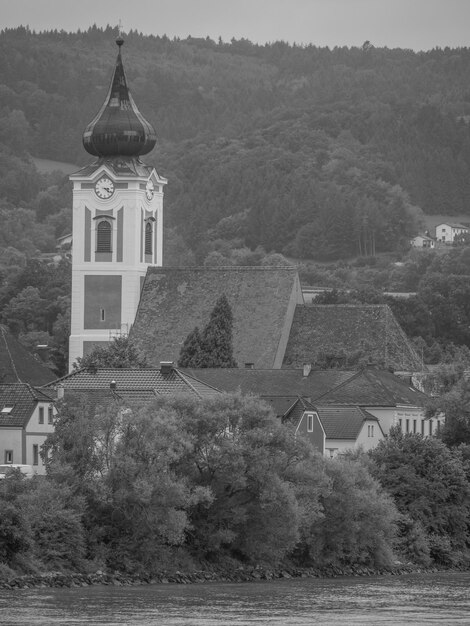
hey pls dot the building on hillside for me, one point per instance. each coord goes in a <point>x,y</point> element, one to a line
<point>175,300</point>
<point>338,329</point>
<point>334,429</point>
<point>17,365</point>
<point>448,231</point>
<point>423,241</point>
<point>117,220</point>
<point>26,418</point>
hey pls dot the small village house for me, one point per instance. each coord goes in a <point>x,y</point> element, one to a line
<point>448,231</point>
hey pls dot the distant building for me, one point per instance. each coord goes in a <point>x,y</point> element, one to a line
<point>447,231</point>
<point>423,241</point>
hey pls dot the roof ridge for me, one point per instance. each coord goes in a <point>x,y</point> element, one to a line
<point>3,330</point>
<point>341,384</point>
<point>218,268</point>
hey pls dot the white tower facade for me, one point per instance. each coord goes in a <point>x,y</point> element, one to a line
<point>117,221</point>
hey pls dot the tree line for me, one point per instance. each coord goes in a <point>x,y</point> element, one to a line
<point>182,482</point>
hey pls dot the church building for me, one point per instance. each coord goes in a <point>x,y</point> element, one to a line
<point>117,220</point>
<point>119,286</point>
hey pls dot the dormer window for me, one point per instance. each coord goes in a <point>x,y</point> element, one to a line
<point>103,236</point>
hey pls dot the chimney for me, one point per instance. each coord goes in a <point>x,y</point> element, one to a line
<point>166,367</point>
<point>307,369</point>
<point>112,385</point>
<point>249,366</point>
<point>60,392</point>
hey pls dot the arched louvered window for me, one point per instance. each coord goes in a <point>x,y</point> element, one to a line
<point>103,237</point>
<point>148,237</point>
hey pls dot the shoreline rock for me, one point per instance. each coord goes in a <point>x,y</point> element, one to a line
<point>217,574</point>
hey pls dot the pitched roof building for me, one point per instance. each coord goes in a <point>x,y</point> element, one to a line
<point>130,386</point>
<point>26,418</point>
<point>175,300</point>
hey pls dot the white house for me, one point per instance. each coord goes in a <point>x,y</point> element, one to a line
<point>422,241</point>
<point>447,231</point>
<point>26,418</point>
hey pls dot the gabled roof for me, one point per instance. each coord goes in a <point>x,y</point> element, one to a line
<point>333,328</point>
<point>343,422</point>
<point>452,225</point>
<point>175,300</point>
<point>133,384</point>
<point>272,383</point>
<point>18,365</point>
<point>22,398</point>
<point>372,387</point>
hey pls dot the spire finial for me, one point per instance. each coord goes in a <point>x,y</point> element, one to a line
<point>120,38</point>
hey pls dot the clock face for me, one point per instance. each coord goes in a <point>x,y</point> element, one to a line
<point>149,190</point>
<point>104,188</point>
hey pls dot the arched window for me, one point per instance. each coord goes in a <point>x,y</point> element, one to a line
<point>103,237</point>
<point>148,237</point>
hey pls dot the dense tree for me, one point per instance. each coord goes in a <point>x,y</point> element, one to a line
<point>213,347</point>
<point>120,352</point>
<point>429,486</point>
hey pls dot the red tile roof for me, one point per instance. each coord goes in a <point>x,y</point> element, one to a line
<point>135,384</point>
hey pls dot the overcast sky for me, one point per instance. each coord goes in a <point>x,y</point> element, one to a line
<point>417,24</point>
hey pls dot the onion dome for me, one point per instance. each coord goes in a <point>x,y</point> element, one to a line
<point>119,129</point>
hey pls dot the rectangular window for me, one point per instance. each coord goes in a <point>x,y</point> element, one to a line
<point>8,456</point>
<point>407,426</point>
<point>400,424</point>
<point>41,415</point>
<point>8,408</point>
<point>422,427</point>
<point>430,427</point>
<point>50,415</point>
<point>35,454</point>
<point>438,426</point>
<point>414,426</point>
<point>102,315</point>
<point>310,423</point>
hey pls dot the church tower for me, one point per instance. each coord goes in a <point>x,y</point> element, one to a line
<point>117,220</point>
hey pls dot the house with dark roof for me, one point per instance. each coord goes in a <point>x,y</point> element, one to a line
<point>175,300</point>
<point>17,365</point>
<point>26,418</point>
<point>392,400</point>
<point>129,386</point>
<point>362,398</point>
<point>334,429</point>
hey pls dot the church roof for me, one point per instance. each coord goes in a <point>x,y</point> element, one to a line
<point>17,365</point>
<point>333,328</point>
<point>119,129</point>
<point>175,300</point>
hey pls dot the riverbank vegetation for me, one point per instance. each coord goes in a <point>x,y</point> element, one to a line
<point>180,483</point>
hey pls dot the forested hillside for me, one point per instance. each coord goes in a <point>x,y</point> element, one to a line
<point>313,153</point>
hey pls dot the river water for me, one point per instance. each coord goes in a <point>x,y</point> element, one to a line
<point>423,599</point>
